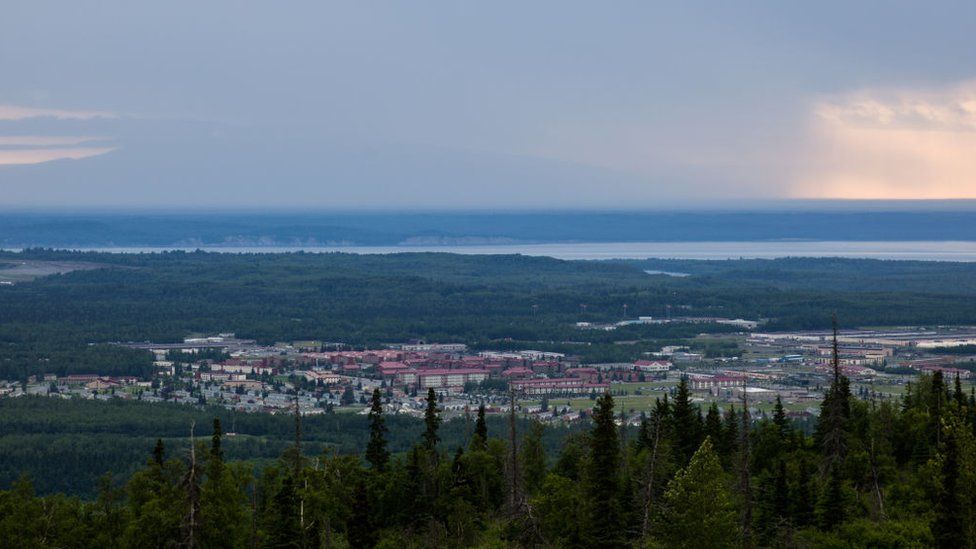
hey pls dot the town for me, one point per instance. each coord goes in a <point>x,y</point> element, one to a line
<point>317,377</point>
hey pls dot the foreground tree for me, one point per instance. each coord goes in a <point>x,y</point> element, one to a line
<point>223,516</point>
<point>532,455</point>
<point>604,527</point>
<point>697,510</point>
<point>432,421</point>
<point>480,439</point>
<point>686,422</point>
<point>955,516</point>
<point>362,534</point>
<point>376,453</point>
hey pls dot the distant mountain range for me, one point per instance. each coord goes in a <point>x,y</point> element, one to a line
<point>307,229</point>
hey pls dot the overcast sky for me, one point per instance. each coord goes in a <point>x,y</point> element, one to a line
<point>483,104</point>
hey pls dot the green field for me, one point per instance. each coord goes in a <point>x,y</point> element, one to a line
<point>640,397</point>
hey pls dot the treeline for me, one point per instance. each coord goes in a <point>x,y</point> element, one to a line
<point>485,301</point>
<point>833,273</point>
<point>23,359</point>
<point>873,475</point>
<point>66,445</point>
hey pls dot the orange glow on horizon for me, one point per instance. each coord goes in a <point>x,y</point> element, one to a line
<point>15,157</point>
<point>901,146</point>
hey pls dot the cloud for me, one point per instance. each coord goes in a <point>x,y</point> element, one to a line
<point>38,149</point>
<point>895,144</point>
<point>16,112</point>
<point>45,140</point>
<point>12,157</point>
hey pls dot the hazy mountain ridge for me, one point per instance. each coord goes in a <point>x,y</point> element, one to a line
<point>304,229</point>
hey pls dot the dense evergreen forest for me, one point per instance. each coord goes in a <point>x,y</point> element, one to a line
<point>66,445</point>
<point>872,475</point>
<point>829,273</point>
<point>48,324</point>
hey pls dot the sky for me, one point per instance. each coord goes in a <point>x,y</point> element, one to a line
<point>461,104</point>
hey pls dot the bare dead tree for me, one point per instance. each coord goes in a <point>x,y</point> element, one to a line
<point>298,438</point>
<point>298,469</point>
<point>191,484</point>
<point>514,493</point>
<point>649,485</point>
<point>878,494</point>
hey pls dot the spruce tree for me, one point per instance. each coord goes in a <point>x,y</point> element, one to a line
<point>159,452</point>
<point>222,500</point>
<point>957,395</point>
<point>781,493</point>
<point>773,506</point>
<point>832,437</point>
<point>698,510</point>
<point>480,440</point>
<point>745,472</point>
<point>216,452</point>
<point>971,410</point>
<point>780,420</point>
<point>282,518</point>
<point>685,422</point>
<point>432,421</point>
<point>950,525</point>
<point>156,503</point>
<point>729,443</point>
<point>831,509</point>
<point>532,454</point>
<point>376,452</point>
<point>937,401</point>
<point>361,534</point>
<point>801,498</point>
<point>644,440</point>
<point>713,423</point>
<point>831,433</point>
<point>604,524</point>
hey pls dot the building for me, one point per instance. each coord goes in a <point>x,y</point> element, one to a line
<point>102,383</point>
<point>521,355</point>
<point>849,370</point>
<point>237,367</point>
<point>442,378</point>
<point>588,375</point>
<point>77,379</point>
<point>557,386</point>
<point>518,372</point>
<point>246,384</point>
<point>701,383</point>
<point>325,378</point>
<point>391,369</point>
<point>611,366</point>
<point>947,371</point>
<point>435,347</point>
<point>652,366</point>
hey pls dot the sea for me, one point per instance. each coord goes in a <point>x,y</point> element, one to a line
<point>891,250</point>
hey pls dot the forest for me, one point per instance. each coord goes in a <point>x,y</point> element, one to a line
<point>65,445</point>
<point>873,474</point>
<point>62,323</point>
